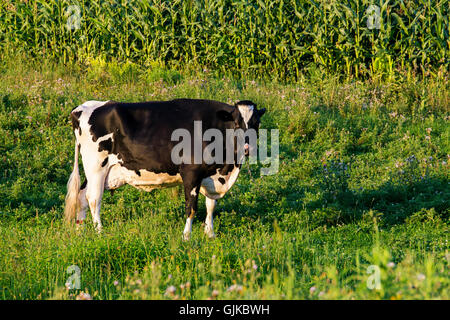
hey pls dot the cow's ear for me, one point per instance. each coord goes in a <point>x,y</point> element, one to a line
<point>225,115</point>
<point>261,111</point>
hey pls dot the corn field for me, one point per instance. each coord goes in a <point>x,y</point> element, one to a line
<point>276,38</point>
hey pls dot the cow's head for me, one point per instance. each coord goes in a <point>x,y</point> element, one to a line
<point>251,118</point>
<point>245,116</point>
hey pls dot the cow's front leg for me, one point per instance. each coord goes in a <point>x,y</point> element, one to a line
<point>191,191</point>
<point>209,228</point>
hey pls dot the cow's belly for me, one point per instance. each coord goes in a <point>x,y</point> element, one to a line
<point>145,180</point>
<point>217,185</point>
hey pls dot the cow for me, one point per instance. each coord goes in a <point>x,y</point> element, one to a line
<point>131,143</point>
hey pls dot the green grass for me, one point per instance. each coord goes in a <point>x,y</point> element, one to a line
<point>348,194</point>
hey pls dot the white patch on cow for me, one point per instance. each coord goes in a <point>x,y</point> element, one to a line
<point>193,192</point>
<point>89,106</point>
<point>246,112</point>
<point>145,180</point>
<point>213,188</point>
<point>187,229</point>
<point>105,137</point>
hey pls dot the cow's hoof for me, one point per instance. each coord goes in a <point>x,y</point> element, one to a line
<point>210,234</point>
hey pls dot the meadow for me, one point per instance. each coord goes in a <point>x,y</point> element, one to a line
<point>359,208</point>
<point>363,181</point>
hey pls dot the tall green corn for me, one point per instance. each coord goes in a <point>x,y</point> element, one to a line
<point>276,38</point>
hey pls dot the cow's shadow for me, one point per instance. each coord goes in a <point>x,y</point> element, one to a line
<point>391,202</point>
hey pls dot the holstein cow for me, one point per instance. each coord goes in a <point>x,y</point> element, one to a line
<point>131,143</point>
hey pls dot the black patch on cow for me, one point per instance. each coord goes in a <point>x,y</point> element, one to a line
<point>105,162</point>
<point>105,145</point>
<point>138,172</point>
<point>222,180</point>
<point>83,185</point>
<point>75,116</point>
<point>227,168</point>
<point>225,115</point>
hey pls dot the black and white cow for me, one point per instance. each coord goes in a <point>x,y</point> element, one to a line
<point>130,143</point>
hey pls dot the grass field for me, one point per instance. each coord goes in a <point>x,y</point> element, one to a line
<point>362,191</point>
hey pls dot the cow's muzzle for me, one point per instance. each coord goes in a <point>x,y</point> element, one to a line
<point>246,149</point>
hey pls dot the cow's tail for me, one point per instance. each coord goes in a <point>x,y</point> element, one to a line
<point>73,188</point>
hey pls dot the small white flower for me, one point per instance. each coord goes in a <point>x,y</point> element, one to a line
<point>393,114</point>
<point>84,296</point>
<point>170,290</point>
<point>312,290</point>
<point>235,287</point>
<point>421,277</point>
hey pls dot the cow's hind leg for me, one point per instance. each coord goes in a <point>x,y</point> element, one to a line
<point>191,182</point>
<point>81,214</point>
<point>209,228</point>
<point>94,194</point>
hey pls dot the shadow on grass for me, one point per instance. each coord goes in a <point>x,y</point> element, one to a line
<point>395,202</point>
<point>392,202</point>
